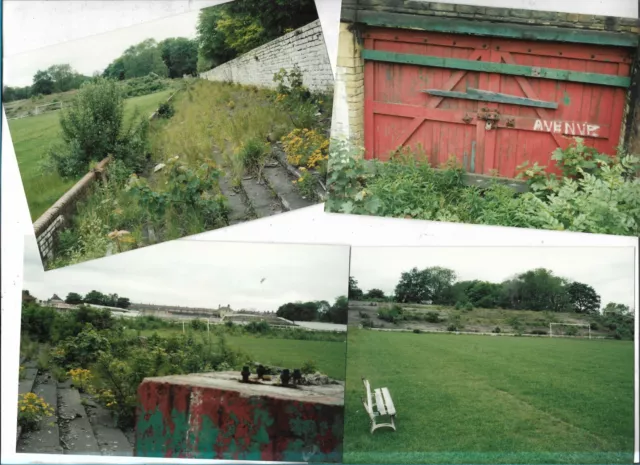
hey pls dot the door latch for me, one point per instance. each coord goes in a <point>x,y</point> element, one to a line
<point>490,116</point>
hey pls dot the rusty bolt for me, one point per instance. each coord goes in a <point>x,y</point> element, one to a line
<point>467,119</point>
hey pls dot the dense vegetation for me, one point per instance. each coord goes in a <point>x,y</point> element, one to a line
<point>316,311</point>
<point>596,193</point>
<point>110,357</point>
<point>536,290</point>
<point>98,298</point>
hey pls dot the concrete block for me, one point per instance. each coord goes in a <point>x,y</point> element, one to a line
<point>216,416</point>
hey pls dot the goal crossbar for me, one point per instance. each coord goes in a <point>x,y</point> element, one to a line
<point>568,324</point>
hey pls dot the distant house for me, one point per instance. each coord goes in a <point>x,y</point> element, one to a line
<point>27,297</point>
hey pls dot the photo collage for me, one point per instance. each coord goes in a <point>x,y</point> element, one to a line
<point>320,231</point>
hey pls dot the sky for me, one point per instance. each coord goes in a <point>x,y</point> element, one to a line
<point>201,274</point>
<point>35,35</point>
<point>609,270</point>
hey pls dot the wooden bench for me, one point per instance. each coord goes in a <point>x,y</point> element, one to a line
<point>379,404</point>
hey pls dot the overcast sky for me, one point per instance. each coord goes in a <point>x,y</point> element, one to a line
<point>33,31</point>
<point>609,270</point>
<point>202,274</point>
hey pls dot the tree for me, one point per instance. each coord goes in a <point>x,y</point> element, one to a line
<point>613,308</point>
<point>142,59</point>
<point>276,16</point>
<point>355,293</point>
<point>537,290</point>
<point>95,298</point>
<point>374,294</point>
<point>180,55</point>
<point>299,311</point>
<point>583,298</point>
<point>115,70</point>
<point>430,284</point>
<point>73,298</point>
<point>123,302</point>
<point>212,48</point>
<point>242,33</point>
<point>42,83</point>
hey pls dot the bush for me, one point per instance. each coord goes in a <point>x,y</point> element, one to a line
<point>92,127</point>
<point>308,367</point>
<point>31,410</point>
<point>496,330</point>
<point>253,154</point>
<point>364,315</point>
<point>306,185</point>
<point>540,332</point>
<point>306,147</point>
<point>452,327</point>
<point>392,314</point>
<point>258,327</point>
<point>432,317</point>
<point>166,110</point>
<point>417,331</point>
<point>597,194</point>
<point>468,307</point>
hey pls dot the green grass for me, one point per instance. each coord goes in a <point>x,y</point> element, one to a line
<point>482,399</point>
<point>328,356</point>
<point>33,136</point>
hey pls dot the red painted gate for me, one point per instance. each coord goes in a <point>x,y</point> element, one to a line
<point>492,103</point>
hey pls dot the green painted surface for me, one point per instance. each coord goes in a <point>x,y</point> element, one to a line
<point>502,68</point>
<point>567,99</point>
<point>507,30</point>
<point>475,94</point>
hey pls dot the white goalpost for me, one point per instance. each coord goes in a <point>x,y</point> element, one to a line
<point>568,324</point>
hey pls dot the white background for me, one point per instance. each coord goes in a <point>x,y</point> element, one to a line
<point>309,225</point>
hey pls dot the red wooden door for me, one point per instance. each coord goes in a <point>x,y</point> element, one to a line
<point>445,110</point>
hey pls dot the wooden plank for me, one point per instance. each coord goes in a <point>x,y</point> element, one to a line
<point>380,403</point>
<point>484,96</point>
<point>500,68</point>
<point>391,409</point>
<point>505,30</point>
<point>368,389</point>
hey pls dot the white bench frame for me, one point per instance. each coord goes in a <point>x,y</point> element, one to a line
<point>377,405</point>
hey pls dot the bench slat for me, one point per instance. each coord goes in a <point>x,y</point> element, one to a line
<point>380,402</point>
<point>368,388</point>
<point>391,409</point>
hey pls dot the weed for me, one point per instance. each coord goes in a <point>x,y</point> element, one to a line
<point>253,154</point>
<point>307,185</point>
<point>31,410</point>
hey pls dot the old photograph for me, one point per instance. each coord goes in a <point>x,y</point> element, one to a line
<point>485,115</point>
<point>490,355</point>
<point>172,127</point>
<point>239,347</point>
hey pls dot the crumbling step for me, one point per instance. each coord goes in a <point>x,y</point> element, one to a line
<point>46,439</point>
<point>237,209</point>
<point>282,184</point>
<point>111,440</point>
<point>26,384</point>
<point>261,199</point>
<point>77,434</point>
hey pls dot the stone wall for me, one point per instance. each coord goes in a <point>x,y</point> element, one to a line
<point>349,95</point>
<point>304,47</point>
<point>216,416</point>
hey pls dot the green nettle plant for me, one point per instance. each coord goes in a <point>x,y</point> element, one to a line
<point>596,193</point>
<point>186,190</point>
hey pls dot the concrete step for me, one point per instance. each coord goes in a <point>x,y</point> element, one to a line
<point>26,384</point>
<point>281,182</point>
<point>46,439</point>
<point>77,433</point>
<point>238,210</point>
<point>261,198</point>
<point>111,440</point>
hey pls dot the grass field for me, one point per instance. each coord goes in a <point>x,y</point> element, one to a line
<point>33,136</point>
<point>482,399</point>
<point>328,356</point>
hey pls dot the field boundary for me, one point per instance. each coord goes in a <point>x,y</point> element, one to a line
<point>50,223</point>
